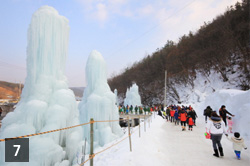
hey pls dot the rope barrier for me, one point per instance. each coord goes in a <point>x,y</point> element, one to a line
<point>92,156</point>
<point>108,120</point>
<point>30,135</point>
<point>111,120</point>
<point>91,122</point>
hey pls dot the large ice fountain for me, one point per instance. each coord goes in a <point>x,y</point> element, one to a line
<point>98,102</point>
<point>46,102</point>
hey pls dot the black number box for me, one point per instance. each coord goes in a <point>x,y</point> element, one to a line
<point>17,150</point>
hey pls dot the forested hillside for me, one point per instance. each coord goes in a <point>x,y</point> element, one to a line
<point>10,90</point>
<point>221,46</point>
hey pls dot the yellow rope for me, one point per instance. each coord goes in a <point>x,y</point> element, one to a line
<point>30,135</point>
<point>91,122</point>
<point>92,156</point>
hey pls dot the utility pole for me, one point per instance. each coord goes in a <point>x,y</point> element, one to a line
<point>165,89</point>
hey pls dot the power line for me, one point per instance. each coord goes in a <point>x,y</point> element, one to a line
<point>146,32</point>
<point>5,64</point>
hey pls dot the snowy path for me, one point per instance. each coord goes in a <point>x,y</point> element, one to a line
<point>165,144</point>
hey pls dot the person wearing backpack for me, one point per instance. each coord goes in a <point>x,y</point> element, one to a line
<point>193,115</point>
<point>207,112</point>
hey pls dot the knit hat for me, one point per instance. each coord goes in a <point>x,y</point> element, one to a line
<point>237,135</point>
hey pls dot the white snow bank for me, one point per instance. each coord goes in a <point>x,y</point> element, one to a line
<point>203,86</point>
<point>237,102</point>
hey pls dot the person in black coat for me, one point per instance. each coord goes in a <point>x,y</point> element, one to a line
<point>160,113</point>
<point>207,113</point>
<point>223,114</point>
<point>193,115</point>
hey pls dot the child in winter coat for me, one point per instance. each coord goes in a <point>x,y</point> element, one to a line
<point>176,116</point>
<point>230,124</point>
<point>190,123</point>
<point>164,114</point>
<point>238,144</point>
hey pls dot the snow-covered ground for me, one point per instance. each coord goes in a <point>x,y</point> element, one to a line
<point>165,144</point>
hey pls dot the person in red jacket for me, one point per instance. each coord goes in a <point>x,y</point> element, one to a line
<point>172,115</point>
<point>190,123</point>
<point>183,119</point>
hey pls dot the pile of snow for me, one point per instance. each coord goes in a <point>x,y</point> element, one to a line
<point>202,87</point>
<point>237,103</point>
<point>46,102</point>
<point>132,96</point>
<point>98,102</point>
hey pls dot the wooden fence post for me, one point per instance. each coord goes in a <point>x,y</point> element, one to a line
<point>91,141</point>
<point>129,134</point>
<point>139,126</point>
<point>144,123</point>
<point>133,122</point>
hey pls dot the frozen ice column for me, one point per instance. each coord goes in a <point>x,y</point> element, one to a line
<point>98,102</point>
<point>46,102</point>
<point>132,96</point>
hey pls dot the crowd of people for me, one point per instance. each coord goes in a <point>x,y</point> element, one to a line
<point>138,110</point>
<point>183,115</point>
<point>216,125</point>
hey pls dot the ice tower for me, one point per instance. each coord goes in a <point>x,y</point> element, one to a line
<point>98,102</point>
<point>132,96</point>
<point>46,102</point>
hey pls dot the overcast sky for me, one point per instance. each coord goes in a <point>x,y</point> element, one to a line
<point>123,31</point>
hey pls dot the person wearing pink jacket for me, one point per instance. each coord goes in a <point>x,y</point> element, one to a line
<point>230,125</point>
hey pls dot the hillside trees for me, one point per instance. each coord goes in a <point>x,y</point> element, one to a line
<point>219,45</point>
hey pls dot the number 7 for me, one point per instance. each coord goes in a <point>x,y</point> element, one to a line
<point>18,148</point>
